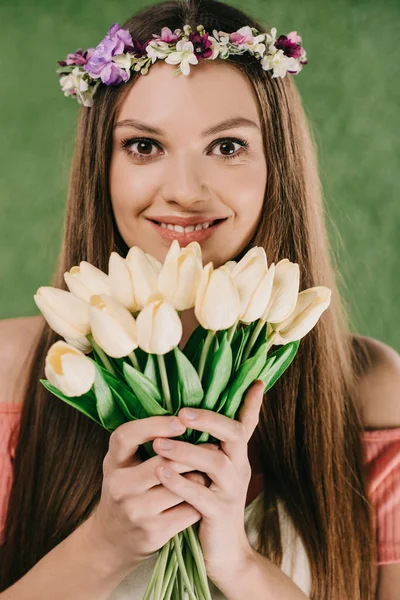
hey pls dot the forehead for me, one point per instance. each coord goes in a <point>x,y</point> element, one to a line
<point>213,91</point>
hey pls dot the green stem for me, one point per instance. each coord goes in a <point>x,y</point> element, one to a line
<point>161,571</point>
<point>252,340</point>
<point>169,574</point>
<point>171,583</point>
<point>182,568</point>
<point>102,355</point>
<point>132,357</point>
<point>200,567</point>
<point>204,353</point>
<point>270,339</point>
<point>231,331</point>
<point>164,382</point>
<point>150,586</point>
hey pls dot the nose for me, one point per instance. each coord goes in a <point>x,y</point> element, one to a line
<point>184,182</point>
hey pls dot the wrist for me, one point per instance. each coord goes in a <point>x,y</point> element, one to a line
<point>103,554</point>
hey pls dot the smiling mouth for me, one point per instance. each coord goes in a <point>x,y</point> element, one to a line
<point>188,228</point>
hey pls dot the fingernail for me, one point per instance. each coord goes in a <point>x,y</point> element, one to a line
<point>177,425</point>
<point>165,472</point>
<point>189,413</point>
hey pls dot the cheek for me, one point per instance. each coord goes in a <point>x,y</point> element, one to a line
<point>128,189</point>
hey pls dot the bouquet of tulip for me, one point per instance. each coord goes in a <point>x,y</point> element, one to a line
<point>121,361</point>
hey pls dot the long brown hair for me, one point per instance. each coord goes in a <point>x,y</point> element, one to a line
<point>308,435</point>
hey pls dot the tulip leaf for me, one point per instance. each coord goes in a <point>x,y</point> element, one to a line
<point>261,339</point>
<point>190,385</point>
<point>86,403</point>
<point>238,346</point>
<point>196,357</point>
<point>218,374</point>
<point>145,391</point>
<point>127,401</point>
<point>108,411</point>
<point>151,370</point>
<point>191,346</point>
<point>248,373</point>
<point>173,381</point>
<point>281,361</point>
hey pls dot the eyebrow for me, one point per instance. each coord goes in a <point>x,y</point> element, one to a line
<point>232,123</point>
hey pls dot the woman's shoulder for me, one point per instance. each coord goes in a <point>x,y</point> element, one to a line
<point>379,385</point>
<point>17,337</point>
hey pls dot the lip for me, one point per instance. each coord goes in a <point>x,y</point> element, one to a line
<point>185,238</point>
<point>186,221</point>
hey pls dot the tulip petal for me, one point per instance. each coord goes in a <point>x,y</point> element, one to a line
<point>66,314</point>
<point>284,292</point>
<point>69,369</point>
<point>310,305</point>
<point>113,326</point>
<point>120,282</point>
<point>221,304</point>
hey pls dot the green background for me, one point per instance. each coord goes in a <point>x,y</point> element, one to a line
<point>351,94</point>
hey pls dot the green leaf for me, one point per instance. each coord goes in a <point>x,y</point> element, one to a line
<point>190,385</point>
<point>145,391</point>
<point>261,339</point>
<point>86,403</point>
<point>191,346</point>
<point>281,360</point>
<point>173,381</point>
<point>247,374</point>
<point>108,411</point>
<point>218,374</point>
<point>151,370</point>
<point>238,346</point>
<point>127,401</point>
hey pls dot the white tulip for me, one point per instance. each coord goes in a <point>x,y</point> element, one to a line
<point>159,328</point>
<point>310,305</point>
<point>217,303</point>
<point>144,270</point>
<point>285,289</point>
<point>113,326</point>
<point>121,285</point>
<point>85,280</point>
<point>254,282</point>
<point>180,275</point>
<point>66,314</point>
<point>68,369</point>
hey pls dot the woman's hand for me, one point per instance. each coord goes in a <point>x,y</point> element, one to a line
<point>221,530</point>
<point>136,515</point>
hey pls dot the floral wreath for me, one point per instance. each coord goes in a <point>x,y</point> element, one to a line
<point>117,54</point>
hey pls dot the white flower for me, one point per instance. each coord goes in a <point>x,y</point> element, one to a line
<point>121,286</point>
<point>284,293</point>
<point>144,270</point>
<point>124,61</point>
<point>184,55</point>
<point>280,63</point>
<point>85,280</point>
<point>254,282</point>
<point>66,314</point>
<point>157,49</point>
<point>180,275</point>
<point>310,305</point>
<point>75,84</point>
<point>217,303</point>
<point>113,326</point>
<point>159,328</point>
<point>68,369</point>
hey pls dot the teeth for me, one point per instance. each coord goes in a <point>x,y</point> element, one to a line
<point>188,229</point>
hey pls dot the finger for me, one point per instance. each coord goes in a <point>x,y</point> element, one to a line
<point>138,479</point>
<point>230,432</point>
<point>126,439</point>
<point>198,496</point>
<point>217,465</point>
<point>249,411</point>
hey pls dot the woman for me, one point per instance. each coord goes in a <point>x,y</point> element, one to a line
<point>309,475</point>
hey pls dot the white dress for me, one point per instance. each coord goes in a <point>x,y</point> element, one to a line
<point>295,562</point>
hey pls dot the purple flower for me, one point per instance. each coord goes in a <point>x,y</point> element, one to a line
<point>100,64</point>
<point>290,48</point>
<point>201,44</point>
<point>166,36</point>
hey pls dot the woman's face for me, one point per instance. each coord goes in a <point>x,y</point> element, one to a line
<point>184,170</point>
